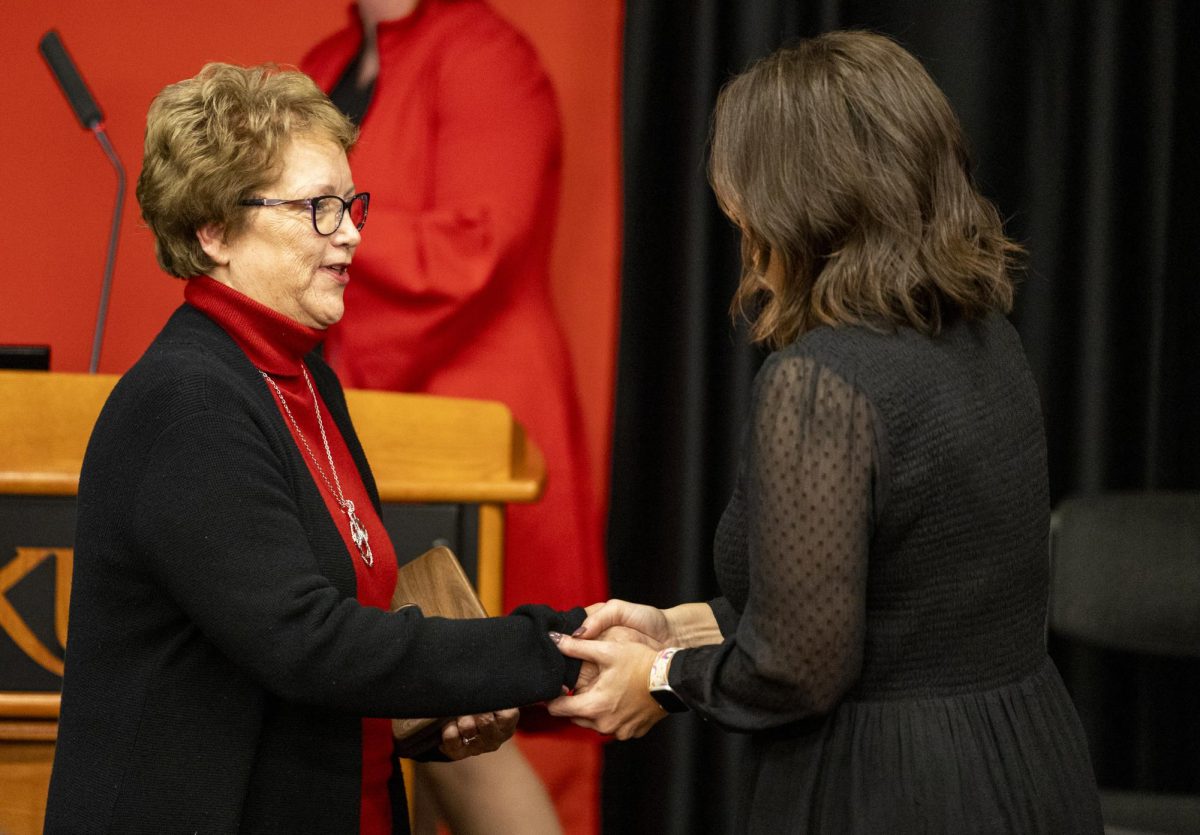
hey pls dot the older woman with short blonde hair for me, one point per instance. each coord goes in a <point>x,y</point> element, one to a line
<point>232,664</point>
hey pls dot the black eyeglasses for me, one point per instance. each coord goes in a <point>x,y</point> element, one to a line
<point>327,209</point>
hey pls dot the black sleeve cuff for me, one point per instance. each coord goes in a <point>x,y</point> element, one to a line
<point>562,622</point>
<point>727,617</point>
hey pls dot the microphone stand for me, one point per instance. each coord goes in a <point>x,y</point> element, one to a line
<point>90,118</point>
<point>113,236</point>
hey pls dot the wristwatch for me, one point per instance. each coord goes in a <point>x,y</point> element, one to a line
<point>660,687</point>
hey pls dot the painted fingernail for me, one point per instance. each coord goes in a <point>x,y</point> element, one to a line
<point>556,637</point>
<point>577,632</point>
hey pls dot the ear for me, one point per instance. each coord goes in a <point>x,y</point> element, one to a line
<point>212,241</point>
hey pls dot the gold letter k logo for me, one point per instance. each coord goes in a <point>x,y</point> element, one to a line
<point>26,560</point>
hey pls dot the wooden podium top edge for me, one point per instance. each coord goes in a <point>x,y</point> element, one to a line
<point>504,467</point>
<point>467,492</point>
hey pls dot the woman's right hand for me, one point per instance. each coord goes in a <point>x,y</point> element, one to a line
<point>620,620</point>
<point>612,695</point>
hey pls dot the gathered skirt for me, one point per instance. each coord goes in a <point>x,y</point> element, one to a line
<point>1012,759</point>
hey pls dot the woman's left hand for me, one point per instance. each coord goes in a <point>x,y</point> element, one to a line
<point>613,693</point>
<point>467,736</point>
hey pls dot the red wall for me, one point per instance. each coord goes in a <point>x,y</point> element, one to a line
<point>53,247</point>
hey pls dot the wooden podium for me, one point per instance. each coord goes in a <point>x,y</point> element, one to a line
<point>445,469</point>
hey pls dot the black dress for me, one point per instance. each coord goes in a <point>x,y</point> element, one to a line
<point>885,571</point>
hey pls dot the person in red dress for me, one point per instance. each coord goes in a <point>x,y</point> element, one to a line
<point>461,143</point>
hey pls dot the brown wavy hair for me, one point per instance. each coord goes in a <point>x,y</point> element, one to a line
<point>841,158</point>
<point>217,138</point>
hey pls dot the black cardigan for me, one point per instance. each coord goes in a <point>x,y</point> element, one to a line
<point>218,663</point>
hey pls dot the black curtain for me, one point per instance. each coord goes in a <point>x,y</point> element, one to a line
<point>1083,120</point>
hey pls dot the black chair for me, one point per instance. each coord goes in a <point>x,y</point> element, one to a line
<point>1126,578</point>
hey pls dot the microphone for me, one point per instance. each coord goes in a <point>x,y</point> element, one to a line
<point>90,118</point>
<point>71,82</point>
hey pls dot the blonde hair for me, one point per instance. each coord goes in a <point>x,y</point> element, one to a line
<point>216,139</point>
<point>842,158</point>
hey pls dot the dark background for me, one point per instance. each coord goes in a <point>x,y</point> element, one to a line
<point>1083,122</point>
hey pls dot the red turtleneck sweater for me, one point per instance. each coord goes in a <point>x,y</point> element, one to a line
<point>277,345</point>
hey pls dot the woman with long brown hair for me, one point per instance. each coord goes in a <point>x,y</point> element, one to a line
<point>883,559</point>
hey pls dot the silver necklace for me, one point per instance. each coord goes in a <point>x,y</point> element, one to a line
<point>358,532</point>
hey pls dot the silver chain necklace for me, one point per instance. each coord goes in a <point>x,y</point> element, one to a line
<point>358,533</point>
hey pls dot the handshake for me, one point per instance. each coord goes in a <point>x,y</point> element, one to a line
<point>626,650</point>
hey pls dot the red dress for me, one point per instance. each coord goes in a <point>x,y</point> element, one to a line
<point>449,293</point>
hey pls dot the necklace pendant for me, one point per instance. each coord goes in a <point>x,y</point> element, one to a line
<point>358,533</point>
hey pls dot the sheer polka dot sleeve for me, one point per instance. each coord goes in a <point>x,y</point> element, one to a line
<point>807,495</point>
